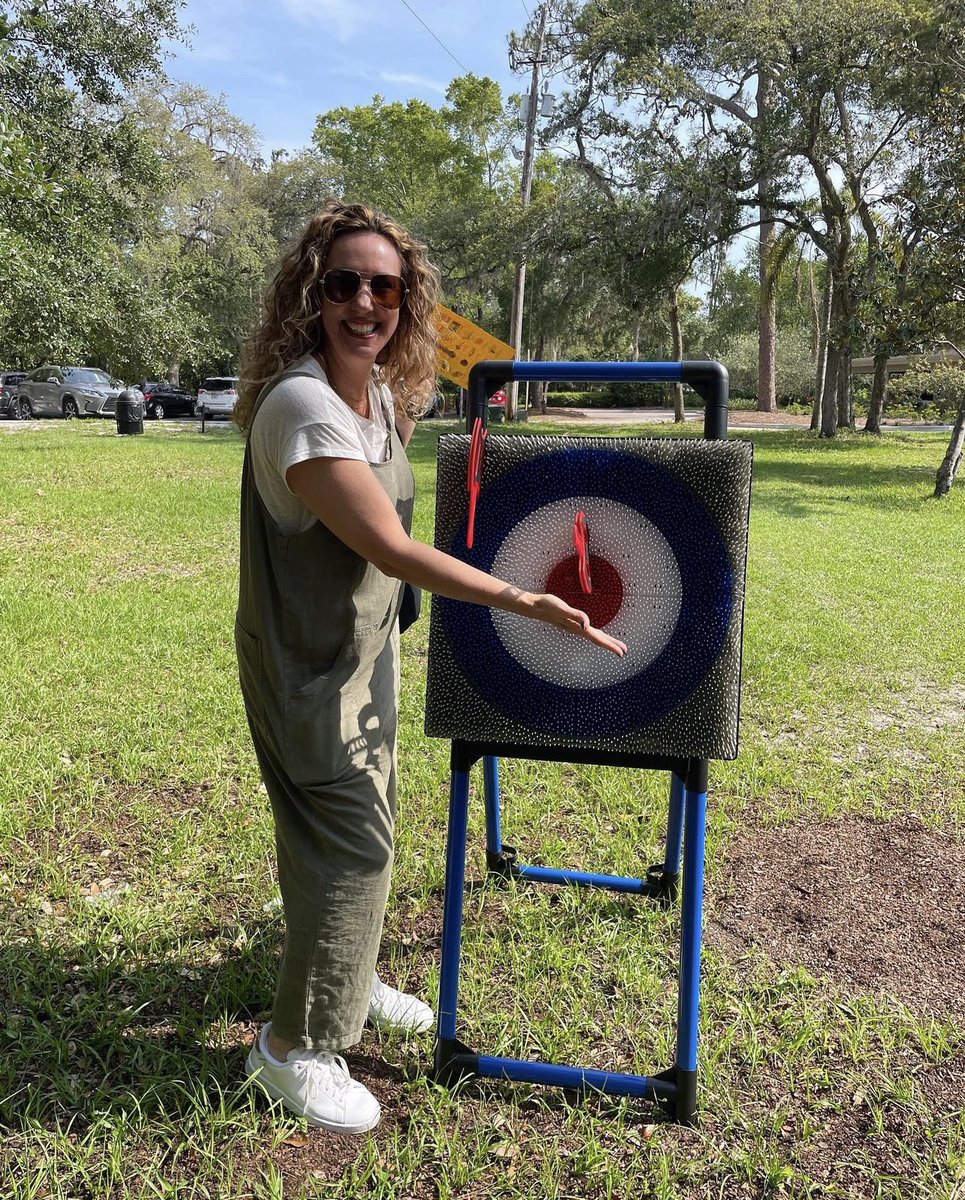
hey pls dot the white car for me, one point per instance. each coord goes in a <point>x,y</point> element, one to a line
<point>217,396</point>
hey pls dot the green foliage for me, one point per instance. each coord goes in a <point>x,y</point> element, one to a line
<point>618,395</point>
<point>794,366</point>
<point>833,119</point>
<point>138,222</point>
<point>941,384</point>
<point>71,204</point>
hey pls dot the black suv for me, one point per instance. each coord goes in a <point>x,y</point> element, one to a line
<point>8,393</point>
<point>162,399</point>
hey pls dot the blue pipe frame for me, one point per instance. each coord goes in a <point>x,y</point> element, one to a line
<point>676,1088</point>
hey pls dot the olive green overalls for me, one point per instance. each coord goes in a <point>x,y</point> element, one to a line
<point>318,654</point>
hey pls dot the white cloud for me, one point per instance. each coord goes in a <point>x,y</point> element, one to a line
<point>343,17</point>
<point>419,81</point>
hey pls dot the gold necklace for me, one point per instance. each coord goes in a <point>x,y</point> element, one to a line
<point>360,407</point>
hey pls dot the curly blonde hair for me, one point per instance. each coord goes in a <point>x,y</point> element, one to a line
<point>291,324</point>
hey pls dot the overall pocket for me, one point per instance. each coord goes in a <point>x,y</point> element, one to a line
<point>328,722</point>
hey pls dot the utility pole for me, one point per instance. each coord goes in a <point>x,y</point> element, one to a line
<point>518,60</point>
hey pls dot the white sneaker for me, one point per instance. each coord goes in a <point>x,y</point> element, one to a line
<point>314,1085</point>
<point>393,1010</point>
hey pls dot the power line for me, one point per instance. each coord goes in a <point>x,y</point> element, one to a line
<point>439,40</point>
<point>525,9</point>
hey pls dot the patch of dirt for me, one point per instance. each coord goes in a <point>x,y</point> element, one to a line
<point>743,416</point>
<point>919,705</point>
<point>877,906</point>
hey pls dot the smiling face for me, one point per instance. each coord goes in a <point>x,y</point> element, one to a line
<point>356,332</point>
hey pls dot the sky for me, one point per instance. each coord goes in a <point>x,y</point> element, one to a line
<point>280,63</point>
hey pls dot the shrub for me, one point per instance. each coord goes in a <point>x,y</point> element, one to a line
<point>795,366</point>
<point>939,386</point>
<point>614,395</point>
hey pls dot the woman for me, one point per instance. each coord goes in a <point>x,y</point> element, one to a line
<point>333,378</point>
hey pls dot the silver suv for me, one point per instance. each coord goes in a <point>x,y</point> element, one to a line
<point>52,391</point>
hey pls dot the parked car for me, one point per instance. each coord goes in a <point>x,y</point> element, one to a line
<point>217,396</point>
<point>163,399</point>
<point>435,408</point>
<point>52,391</point>
<point>8,393</point>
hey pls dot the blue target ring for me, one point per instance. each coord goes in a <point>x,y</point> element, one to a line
<point>706,577</point>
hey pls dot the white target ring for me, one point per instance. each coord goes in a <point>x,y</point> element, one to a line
<point>648,576</point>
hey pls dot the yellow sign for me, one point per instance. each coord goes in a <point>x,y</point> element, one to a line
<point>462,345</point>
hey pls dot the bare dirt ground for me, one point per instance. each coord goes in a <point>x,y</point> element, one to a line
<point>876,906</point>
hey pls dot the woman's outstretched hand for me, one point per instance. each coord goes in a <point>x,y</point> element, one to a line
<point>554,611</point>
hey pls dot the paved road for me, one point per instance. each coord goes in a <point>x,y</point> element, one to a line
<point>739,419</point>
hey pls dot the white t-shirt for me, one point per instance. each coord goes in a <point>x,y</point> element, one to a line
<point>306,418</point>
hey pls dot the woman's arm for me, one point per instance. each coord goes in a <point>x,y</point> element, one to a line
<point>347,498</point>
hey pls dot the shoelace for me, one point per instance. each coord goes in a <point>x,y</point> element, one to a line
<point>332,1081</point>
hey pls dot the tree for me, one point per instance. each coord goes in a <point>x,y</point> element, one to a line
<point>795,111</point>
<point>64,69</point>
<point>211,242</point>
<point>291,190</point>
<point>944,383</point>
<point>651,84</point>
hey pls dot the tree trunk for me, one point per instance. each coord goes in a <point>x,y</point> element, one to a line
<point>677,338</point>
<point>821,361</point>
<point>541,385</point>
<point>829,396</point>
<point>845,392</point>
<point>767,320</point>
<point>953,456</point>
<point>839,354</point>
<point>767,270</point>
<point>879,387</point>
<point>829,393</point>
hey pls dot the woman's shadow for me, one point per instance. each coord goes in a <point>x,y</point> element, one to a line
<point>94,1031</point>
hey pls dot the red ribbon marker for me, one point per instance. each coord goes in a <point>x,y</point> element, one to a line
<point>477,455</point>
<point>581,540</point>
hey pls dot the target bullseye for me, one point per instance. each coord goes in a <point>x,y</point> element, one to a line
<point>603,603</point>
<point>636,595</point>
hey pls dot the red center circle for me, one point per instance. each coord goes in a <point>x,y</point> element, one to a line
<point>603,603</point>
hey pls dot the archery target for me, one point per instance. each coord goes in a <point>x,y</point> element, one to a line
<point>635,596</point>
<point>667,525</point>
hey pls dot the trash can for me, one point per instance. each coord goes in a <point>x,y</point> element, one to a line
<point>130,411</point>
<point>497,406</point>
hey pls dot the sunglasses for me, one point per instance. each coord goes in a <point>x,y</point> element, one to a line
<point>340,286</point>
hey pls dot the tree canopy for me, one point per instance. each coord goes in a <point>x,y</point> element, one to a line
<point>139,219</point>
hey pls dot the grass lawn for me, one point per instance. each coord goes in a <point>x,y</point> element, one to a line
<point>139,907</point>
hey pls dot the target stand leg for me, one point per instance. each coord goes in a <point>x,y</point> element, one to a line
<point>500,858</point>
<point>662,879</point>
<point>691,936</point>
<point>674,1089</point>
<point>451,1058</point>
